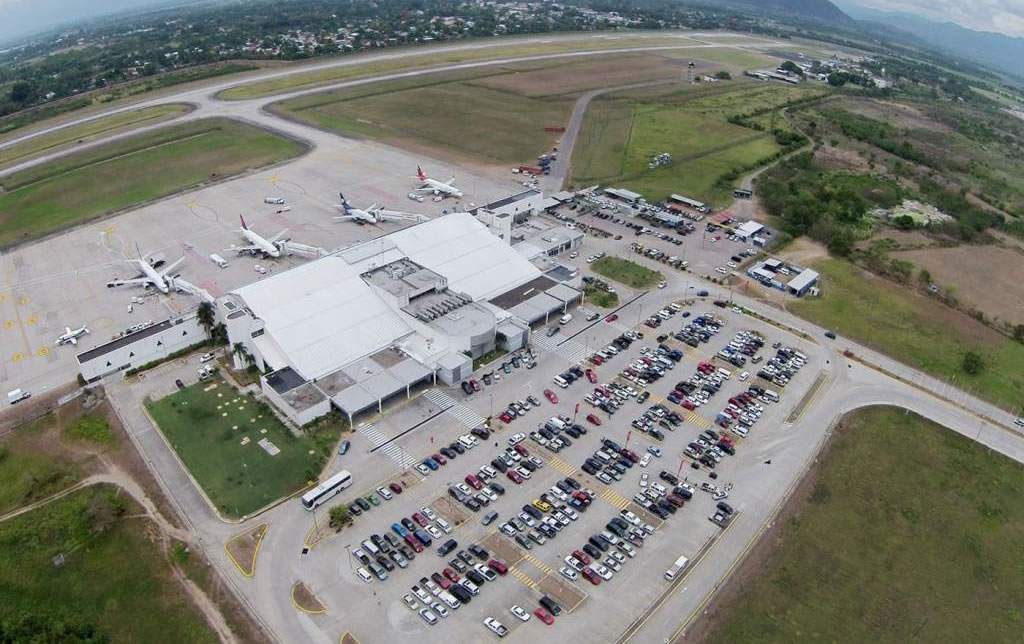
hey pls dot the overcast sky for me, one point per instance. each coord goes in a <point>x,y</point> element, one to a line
<point>1002,16</point>
<point>22,17</point>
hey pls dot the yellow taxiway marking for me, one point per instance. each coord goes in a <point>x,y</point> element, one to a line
<point>43,352</point>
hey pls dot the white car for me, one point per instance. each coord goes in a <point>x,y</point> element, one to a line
<point>428,616</point>
<point>364,574</point>
<point>1019,421</point>
<point>515,439</point>
<point>422,594</point>
<point>427,512</point>
<point>439,609</point>
<point>721,270</point>
<point>435,532</point>
<point>520,613</point>
<point>744,376</point>
<point>568,573</point>
<point>643,480</point>
<point>384,493</point>
<point>601,571</point>
<point>422,469</point>
<point>645,460</point>
<point>206,357</point>
<point>573,562</point>
<point>497,627</point>
<point>410,601</point>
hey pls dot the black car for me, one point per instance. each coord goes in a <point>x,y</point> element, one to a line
<point>179,384</point>
<point>571,431</point>
<point>499,465</point>
<point>459,565</point>
<point>532,511</point>
<point>466,387</point>
<point>592,551</point>
<point>448,452</point>
<point>667,506</point>
<point>589,468</point>
<point>654,508</point>
<point>551,605</point>
<point>479,552</point>
<point>725,507</point>
<point>384,561</point>
<point>668,477</point>
<point>447,547</point>
<point>480,432</point>
<point>457,447</point>
<point>497,488</point>
<point>460,593</point>
<point>465,556</point>
<point>472,504</point>
<point>597,542</point>
<point>573,482</point>
<point>475,577</point>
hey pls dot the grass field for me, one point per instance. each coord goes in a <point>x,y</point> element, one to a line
<point>486,124</point>
<point>149,166</point>
<point>624,130</point>
<point>113,584</point>
<point>27,474</point>
<point>626,272</point>
<point>916,330</point>
<point>602,298</point>
<point>207,427</point>
<point>71,135</point>
<point>911,533</point>
<point>426,59</point>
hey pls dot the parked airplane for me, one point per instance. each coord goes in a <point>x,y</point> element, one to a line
<point>373,214</point>
<point>259,245</point>
<point>148,275</point>
<point>70,335</point>
<point>440,188</point>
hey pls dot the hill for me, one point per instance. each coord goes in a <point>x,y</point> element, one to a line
<point>822,10</point>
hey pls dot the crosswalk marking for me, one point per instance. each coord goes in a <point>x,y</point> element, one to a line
<point>537,562</point>
<point>453,408</point>
<point>571,350</point>
<point>562,466</point>
<point>614,498</point>
<point>392,451</point>
<point>522,577</point>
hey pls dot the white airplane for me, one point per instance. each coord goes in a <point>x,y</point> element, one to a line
<point>440,188</point>
<point>373,214</point>
<point>259,245</point>
<point>149,276</point>
<point>71,335</point>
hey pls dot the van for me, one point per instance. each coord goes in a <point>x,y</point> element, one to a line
<point>17,395</point>
<point>771,395</point>
<point>565,319</point>
<point>560,381</point>
<point>444,525</point>
<point>218,260</point>
<point>447,547</point>
<point>678,566</point>
<point>369,547</point>
<point>603,455</point>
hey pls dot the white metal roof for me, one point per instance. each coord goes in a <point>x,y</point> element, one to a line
<point>323,315</point>
<point>803,280</point>
<point>748,228</point>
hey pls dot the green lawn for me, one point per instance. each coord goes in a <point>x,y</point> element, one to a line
<point>626,272</point>
<point>602,299</point>
<point>207,427</point>
<point>912,533</point>
<point>27,476</point>
<point>149,166</point>
<point>113,585</point>
<point>487,124</point>
<point>68,136</point>
<point>916,330</point>
<point>623,131</point>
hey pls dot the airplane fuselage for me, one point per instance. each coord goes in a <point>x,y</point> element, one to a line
<point>265,247</point>
<point>153,276</point>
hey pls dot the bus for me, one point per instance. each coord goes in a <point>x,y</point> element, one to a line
<point>326,490</point>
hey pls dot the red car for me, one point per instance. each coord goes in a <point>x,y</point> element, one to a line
<point>441,581</point>
<point>581,557</point>
<point>544,616</point>
<point>473,482</point>
<point>505,417</point>
<point>521,449</point>
<point>591,576</point>
<point>440,459</point>
<point>550,395</point>
<point>497,566</point>
<point>514,476</point>
<point>596,360</point>
<point>475,385</point>
<point>413,542</point>
<point>727,440</point>
<point>591,376</point>
<point>450,574</point>
<point>591,418</point>
<point>582,497</point>
<point>611,318</point>
<point>420,520</point>
<point>688,405</point>
<point>396,488</point>
<point>630,454</point>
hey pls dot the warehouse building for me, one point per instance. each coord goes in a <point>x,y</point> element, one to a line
<point>371,322</point>
<point>141,346</point>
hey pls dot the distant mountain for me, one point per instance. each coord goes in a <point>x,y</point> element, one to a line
<point>822,10</point>
<point>993,50</point>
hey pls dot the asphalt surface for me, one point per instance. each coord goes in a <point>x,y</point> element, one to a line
<point>760,488</point>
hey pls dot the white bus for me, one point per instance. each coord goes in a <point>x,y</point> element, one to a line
<point>327,489</point>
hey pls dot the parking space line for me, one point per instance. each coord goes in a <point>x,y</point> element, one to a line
<point>537,562</point>
<point>522,577</point>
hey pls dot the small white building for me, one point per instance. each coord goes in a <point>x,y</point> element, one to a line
<point>748,229</point>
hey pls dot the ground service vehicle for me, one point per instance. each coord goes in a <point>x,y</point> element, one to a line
<point>676,568</point>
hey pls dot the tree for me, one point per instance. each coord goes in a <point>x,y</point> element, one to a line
<point>790,66</point>
<point>239,351</point>
<point>924,278</point>
<point>339,517</point>
<point>205,317</point>
<point>21,92</point>
<point>841,243</point>
<point>723,75</point>
<point>1018,333</point>
<point>973,363</point>
<point>903,222</point>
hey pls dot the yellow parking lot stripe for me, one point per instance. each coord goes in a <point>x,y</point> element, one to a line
<point>522,577</point>
<point>614,498</point>
<point>537,562</point>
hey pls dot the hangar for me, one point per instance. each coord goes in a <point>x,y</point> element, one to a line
<point>369,322</point>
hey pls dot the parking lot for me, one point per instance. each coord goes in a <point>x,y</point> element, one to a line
<point>704,468</point>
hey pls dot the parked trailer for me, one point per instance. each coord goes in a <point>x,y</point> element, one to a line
<point>531,169</point>
<point>680,563</point>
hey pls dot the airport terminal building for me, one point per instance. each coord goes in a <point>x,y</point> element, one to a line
<point>370,322</point>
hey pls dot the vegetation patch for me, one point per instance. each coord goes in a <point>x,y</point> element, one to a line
<point>111,177</point>
<point>243,548</point>
<point>906,528</point>
<point>92,429</point>
<point>78,570</point>
<point>916,330</point>
<point>626,272</point>
<point>600,297</point>
<point>227,440</point>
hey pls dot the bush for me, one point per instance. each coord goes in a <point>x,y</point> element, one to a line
<point>973,363</point>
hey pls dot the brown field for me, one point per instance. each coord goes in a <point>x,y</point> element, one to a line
<point>988,278</point>
<point>832,158</point>
<point>895,114</point>
<point>585,75</point>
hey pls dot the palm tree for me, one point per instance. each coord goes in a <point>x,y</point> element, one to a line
<point>339,517</point>
<point>242,353</point>
<point>205,315</point>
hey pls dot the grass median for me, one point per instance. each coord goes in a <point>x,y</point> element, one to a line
<point>217,432</point>
<point>626,272</point>
<point>908,532</point>
<point>916,330</point>
<point>135,170</point>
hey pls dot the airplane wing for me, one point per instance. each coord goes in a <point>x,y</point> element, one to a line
<point>138,281</point>
<point>170,267</point>
<point>347,218</point>
<point>424,189</point>
<point>277,236</point>
<point>451,182</point>
<point>73,341</point>
<point>242,249</point>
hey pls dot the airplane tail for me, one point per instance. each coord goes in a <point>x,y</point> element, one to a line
<point>345,205</point>
<point>244,227</point>
<point>67,330</point>
<point>420,174</point>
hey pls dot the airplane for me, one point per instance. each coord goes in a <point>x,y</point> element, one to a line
<point>259,245</point>
<point>70,335</point>
<point>148,275</point>
<point>373,214</point>
<point>440,188</point>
